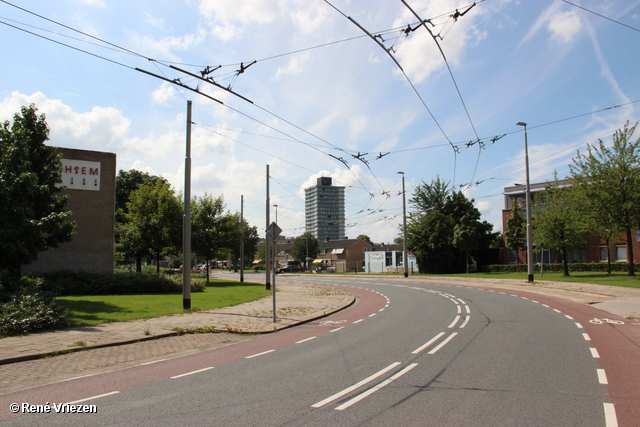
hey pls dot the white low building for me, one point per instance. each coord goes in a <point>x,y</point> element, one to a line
<point>388,262</point>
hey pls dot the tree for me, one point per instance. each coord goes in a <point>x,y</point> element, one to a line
<point>126,183</point>
<point>445,229</point>
<point>365,238</point>
<point>206,226</point>
<point>607,180</point>
<point>557,223</point>
<point>515,236</point>
<point>305,246</point>
<point>32,215</point>
<point>153,223</point>
<point>233,232</point>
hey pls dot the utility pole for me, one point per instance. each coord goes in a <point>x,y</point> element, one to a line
<point>186,225</point>
<point>241,238</point>
<point>267,252</point>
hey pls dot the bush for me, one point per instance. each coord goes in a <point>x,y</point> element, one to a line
<point>596,267</point>
<point>30,310</point>
<point>83,283</point>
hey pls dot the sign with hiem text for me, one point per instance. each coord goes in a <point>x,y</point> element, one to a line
<point>80,175</point>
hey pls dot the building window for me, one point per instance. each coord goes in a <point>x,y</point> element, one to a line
<point>603,253</point>
<point>621,253</point>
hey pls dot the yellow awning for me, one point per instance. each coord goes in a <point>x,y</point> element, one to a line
<point>317,261</point>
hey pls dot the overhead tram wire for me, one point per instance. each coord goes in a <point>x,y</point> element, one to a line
<point>602,16</point>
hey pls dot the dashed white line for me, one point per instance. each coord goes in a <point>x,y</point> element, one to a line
<point>568,317</point>
<point>610,415</point>
<point>586,337</point>
<point>152,362</point>
<point>337,329</point>
<point>431,341</point>
<point>459,309</point>
<point>579,325</point>
<point>355,386</point>
<point>594,353</point>
<point>305,340</point>
<point>191,373</point>
<point>358,321</point>
<point>376,388</point>
<point>454,322</point>
<point>602,376</point>
<point>259,354</point>
<point>556,310</point>
<point>372,314</point>
<point>466,308</point>
<point>93,397</point>
<point>443,343</point>
<point>466,320</point>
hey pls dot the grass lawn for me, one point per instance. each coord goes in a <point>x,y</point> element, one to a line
<point>96,309</point>
<point>613,279</point>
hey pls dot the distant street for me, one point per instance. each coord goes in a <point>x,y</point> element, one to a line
<point>406,353</point>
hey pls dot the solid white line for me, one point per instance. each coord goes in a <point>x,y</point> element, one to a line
<point>454,322</point>
<point>305,340</point>
<point>610,415</point>
<point>466,320</point>
<point>191,373</point>
<point>602,376</point>
<point>594,353</point>
<point>586,337</point>
<point>443,343</point>
<point>355,386</point>
<point>376,388</point>
<point>579,325</point>
<point>93,397</point>
<point>337,329</point>
<point>358,321</point>
<point>259,354</point>
<point>431,341</point>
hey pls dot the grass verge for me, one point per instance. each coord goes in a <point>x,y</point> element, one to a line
<point>95,309</point>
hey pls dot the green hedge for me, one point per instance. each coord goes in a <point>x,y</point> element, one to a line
<point>83,283</point>
<point>576,266</point>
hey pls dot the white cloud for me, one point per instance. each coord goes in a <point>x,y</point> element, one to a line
<point>164,93</point>
<point>294,66</point>
<point>564,26</point>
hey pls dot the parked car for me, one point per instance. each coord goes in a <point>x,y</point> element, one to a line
<point>290,268</point>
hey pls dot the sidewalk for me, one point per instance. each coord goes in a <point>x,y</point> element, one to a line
<point>295,304</point>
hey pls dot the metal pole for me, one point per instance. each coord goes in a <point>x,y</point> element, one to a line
<point>405,258</point>
<point>186,226</point>
<point>528,204</point>
<point>267,253</point>
<point>241,238</point>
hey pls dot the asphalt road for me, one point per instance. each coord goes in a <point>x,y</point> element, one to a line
<point>405,354</point>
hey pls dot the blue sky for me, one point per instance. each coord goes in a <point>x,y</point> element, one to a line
<point>327,99</point>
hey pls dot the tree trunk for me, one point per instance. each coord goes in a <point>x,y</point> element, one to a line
<point>631,270</point>
<point>565,264</point>
<point>138,264</point>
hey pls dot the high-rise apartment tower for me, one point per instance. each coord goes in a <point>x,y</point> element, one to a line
<point>324,210</point>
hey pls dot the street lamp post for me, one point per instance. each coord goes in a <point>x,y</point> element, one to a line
<point>528,205</point>
<point>405,259</point>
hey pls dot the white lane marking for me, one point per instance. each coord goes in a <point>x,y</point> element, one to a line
<point>382,309</point>
<point>466,320</point>
<point>586,337</point>
<point>568,317</point>
<point>545,305</point>
<point>93,397</point>
<point>376,388</point>
<point>355,386</point>
<point>461,301</point>
<point>77,378</point>
<point>610,415</point>
<point>524,298</point>
<point>337,329</point>
<point>358,321</point>
<point>459,309</point>
<point>556,310</point>
<point>454,322</point>
<point>466,307</point>
<point>537,302</point>
<point>579,325</point>
<point>602,376</point>
<point>191,373</point>
<point>259,354</point>
<point>152,362</point>
<point>431,341</point>
<point>305,340</point>
<point>594,353</point>
<point>443,343</point>
<point>373,314</point>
